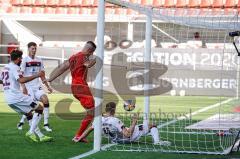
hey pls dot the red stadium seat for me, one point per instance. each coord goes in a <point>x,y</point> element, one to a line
<point>169,4</point>
<point>16,2</point>
<point>84,11</point>
<point>205,4</point>
<point>146,2</point>
<point>39,3</point>
<point>86,3</point>
<point>181,4</point>
<point>75,3</point>
<point>60,10</point>
<point>49,10</point>
<point>94,11</point>
<point>25,10</point>
<point>27,2</point>
<point>109,11</point>
<point>230,4</point>
<point>133,1</point>
<point>217,4</point>
<point>72,10</point>
<point>63,3</point>
<point>194,3</point>
<point>95,3</point>
<point>157,3</point>
<point>51,3</point>
<point>12,9</point>
<point>37,10</point>
<point>120,11</point>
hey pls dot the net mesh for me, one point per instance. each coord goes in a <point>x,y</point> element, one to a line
<point>192,55</point>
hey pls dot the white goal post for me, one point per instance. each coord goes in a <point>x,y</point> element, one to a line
<point>185,135</point>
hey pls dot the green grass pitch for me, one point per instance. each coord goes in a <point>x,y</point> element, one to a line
<point>13,144</point>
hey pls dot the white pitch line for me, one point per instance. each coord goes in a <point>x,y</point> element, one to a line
<point>84,154</point>
<point>196,112</point>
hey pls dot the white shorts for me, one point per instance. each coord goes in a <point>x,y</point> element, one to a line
<point>25,106</point>
<point>36,93</point>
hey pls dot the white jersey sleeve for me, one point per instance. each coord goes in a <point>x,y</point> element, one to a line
<point>42,66</point>
<point>23,65</point>
<point>17,73</point>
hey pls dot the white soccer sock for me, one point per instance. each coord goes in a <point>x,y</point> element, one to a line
<point>46,115</point>
<point>23,119</point>
<point>155,135</point>
<point>37,130</point>
<point>35,120</point>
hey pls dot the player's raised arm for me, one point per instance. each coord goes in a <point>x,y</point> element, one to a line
<point>128,132</point>
<point>90,63</point>
<point>22,79</point>
<point>60,70</point>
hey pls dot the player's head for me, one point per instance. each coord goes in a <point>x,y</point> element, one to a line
<point>89,48</point>
<point>32,49</point>
<point>110,108</point>
<point>16,57</point>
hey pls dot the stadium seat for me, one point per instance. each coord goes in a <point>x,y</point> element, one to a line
<point>133,1</point>
<point>230,4</point>
<point>27,2</point>
<point>94,11</point>
<point>25,10</point>
<point>95,3</point>
<point>12,9</point>
<point>109,11</point>
<point>194,3</point>
<point>217,4</point>
<point>49,10</point>
<point>75,3</point>
<point>84,11</point>
<point>157,3</point>
<point>181,4</point>
<point>86,3</point>
<point>131,12</point>
<point>60,10</point>
<point>146,2</point>
<point>72,10</point>
<point>205,4</point>
<point>169,4</point>
<point>51,3</point>
<point>63,3</point>
<point>120,11</point>
<point>39,3</point>
<point>37,10</point>
<point>16,2</point>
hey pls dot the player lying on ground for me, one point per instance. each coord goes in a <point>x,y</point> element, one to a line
<point>78,65</point>
<point>114,129</point>
<point>10,78</point>
<point>31,65</point>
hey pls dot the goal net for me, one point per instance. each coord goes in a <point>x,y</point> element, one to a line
<point>192,94</point>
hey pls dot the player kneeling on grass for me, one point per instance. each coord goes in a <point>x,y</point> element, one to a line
<point>114,129</point>
<point>10,78</point>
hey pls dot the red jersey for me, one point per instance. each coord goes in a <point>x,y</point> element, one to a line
<point>77,68</point>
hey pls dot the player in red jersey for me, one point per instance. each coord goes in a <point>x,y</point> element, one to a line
<point>78,65</point>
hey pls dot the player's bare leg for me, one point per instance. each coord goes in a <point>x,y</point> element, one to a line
<point>45,101</point>
<point>84,125</point>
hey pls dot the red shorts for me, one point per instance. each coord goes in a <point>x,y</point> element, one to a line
<point>83,93</point>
